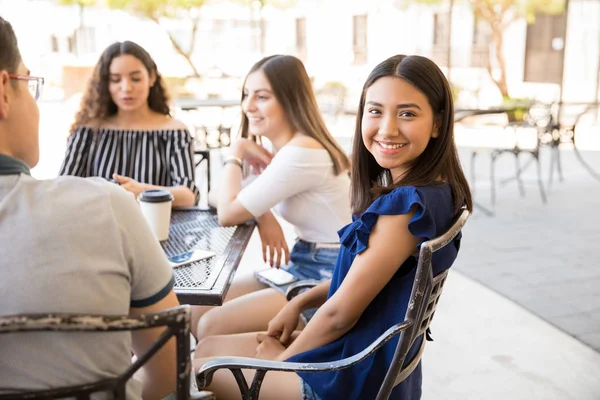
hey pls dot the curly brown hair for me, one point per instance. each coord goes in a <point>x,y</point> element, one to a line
<point>97,104</point>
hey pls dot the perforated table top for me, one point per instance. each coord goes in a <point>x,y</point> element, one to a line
<point>205,282</point>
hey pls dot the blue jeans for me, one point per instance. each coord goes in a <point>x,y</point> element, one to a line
<point>310,261</point>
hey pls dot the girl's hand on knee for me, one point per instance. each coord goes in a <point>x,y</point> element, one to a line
<point>268,348</point>
<point>285,323</point>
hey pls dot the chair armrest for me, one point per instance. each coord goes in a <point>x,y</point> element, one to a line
<point>294,289</point>
<point>235,364</point>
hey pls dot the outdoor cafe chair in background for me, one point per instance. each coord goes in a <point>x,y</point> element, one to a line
<point>202,156</point>
<point>422,304</point>
<point>518,137</point>
<point>571,117</point>
<point>176,321</point>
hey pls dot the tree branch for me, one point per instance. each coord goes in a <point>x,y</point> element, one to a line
<point>178,48</point>
<point>194,32</point>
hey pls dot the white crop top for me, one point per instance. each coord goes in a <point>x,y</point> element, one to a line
<point>300,185</point>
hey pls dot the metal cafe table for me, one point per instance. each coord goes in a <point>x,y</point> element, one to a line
<point>205,282</point>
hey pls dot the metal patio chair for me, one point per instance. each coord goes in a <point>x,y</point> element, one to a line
<point>422,304</point>
<point>176,321</point>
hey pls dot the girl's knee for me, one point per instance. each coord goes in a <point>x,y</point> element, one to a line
<point>205,347</point>
<point>208,325</point>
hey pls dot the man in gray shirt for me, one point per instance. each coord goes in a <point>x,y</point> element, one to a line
<point>71,245</point>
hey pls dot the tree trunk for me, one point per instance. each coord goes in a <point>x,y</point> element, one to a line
<point>185,55</point>
<point>498,39</point>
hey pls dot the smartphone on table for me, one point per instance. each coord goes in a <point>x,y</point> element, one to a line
<point>189,257</point>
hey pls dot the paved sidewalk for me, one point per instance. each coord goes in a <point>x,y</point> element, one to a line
<point>487,348</point>
<point>544,257</point>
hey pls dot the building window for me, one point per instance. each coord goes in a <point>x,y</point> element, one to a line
<point>480,48</point>
<point>72,44</point>
<point>440,39</point>
<point>359,38</point>
<point>54,44</point>
<point>440,29</point>
<point>301,38</point>
<point>544,49</point>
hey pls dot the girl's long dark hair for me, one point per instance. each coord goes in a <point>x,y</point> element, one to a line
<point>439,160</point>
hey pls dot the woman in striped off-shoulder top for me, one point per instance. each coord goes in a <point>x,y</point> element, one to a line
<point>124,133</point>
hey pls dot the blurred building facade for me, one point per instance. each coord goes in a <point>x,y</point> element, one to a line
<point>339,40</point>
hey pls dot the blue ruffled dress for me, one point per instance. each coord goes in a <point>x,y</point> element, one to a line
<point>433,216</point>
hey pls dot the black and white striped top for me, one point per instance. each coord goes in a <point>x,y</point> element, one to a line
<point>162,157</point>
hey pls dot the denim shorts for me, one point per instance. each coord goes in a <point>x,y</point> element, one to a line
<point>307,392</point>
<point>310,261</point>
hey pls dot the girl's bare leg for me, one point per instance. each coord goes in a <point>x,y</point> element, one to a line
<point>240,286</point>
<point>248,313</point>
<point>276,385</point>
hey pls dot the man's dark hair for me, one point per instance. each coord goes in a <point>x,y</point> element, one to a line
<point>10,57</point>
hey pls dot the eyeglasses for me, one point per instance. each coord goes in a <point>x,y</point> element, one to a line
<point>34,83</point>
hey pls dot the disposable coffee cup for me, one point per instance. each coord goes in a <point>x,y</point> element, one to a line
<point>156,208</point>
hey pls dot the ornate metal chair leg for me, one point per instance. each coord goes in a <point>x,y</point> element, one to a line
<point>516,152</point>
<point>493,179</point>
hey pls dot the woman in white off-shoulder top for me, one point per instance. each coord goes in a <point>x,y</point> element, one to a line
<point>305,181</point>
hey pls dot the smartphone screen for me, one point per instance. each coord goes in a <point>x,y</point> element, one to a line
<point>189,257</point>
<point>277,276</point>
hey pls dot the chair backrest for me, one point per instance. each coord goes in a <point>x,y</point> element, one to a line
<point>422,304</point>
<point>175,320</point>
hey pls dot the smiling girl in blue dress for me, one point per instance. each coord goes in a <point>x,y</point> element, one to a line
<point>407,188</point>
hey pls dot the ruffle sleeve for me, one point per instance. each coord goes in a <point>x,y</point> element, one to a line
<point>355,236</point>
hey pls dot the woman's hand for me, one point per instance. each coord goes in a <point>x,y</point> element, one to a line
<point>272,238</point>
<point>284,323</point>
<point>256,156</point>
<point>129,184</point>
<point>268,348</point>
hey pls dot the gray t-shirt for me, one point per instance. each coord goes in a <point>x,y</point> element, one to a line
<point>73,245</point>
